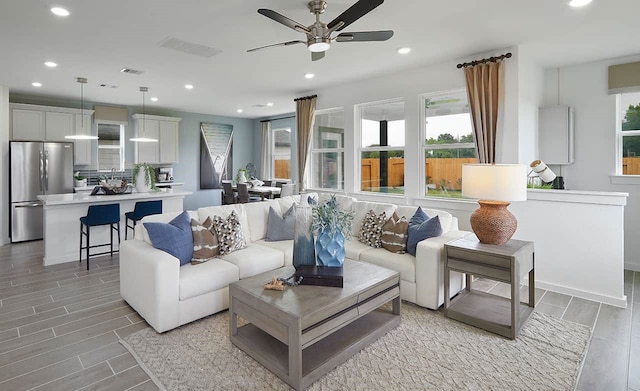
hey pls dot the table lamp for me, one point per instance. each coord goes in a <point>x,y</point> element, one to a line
<point>494,185</point>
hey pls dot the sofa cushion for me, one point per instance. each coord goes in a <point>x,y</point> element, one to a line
<point>422,227</point>
<point>257,218</point>
<point>281,227</point>
<point>286,246</point>
<point>394,234</point>
<point>224,211</point>
<point>354,248</point>
<point>361,208</point>
<point>371,228</point>
<point>255,259</point>
<point>404,264</point>
<point>230,235</point>
<point>205,241</point>
<point>446,218</point>
<point>174,237</point>
<point>287,202</point>
<point>196,280</point>
<point>344,202</point>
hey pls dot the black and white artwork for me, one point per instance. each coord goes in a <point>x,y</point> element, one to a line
<point>216,150</point>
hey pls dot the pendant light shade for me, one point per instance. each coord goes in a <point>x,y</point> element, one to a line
<point>142,136</point>
<point>84,136</point>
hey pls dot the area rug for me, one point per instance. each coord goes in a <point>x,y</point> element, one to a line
<point>426,352</point>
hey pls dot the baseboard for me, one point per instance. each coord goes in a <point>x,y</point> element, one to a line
<point>614,301</point>
<point>632,266</point>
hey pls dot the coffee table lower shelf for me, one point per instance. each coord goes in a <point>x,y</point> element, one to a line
<point>322,356</point>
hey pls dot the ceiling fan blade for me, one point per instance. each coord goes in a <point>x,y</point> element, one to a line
<point>315,56</point>
<point>276,44</point>
<point>283,19</point>
<point>355,12</point>
<point>364,36</point>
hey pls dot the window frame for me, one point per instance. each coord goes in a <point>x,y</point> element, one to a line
<point>620,134</point>
<point>121,148</point>
<point>339,151</point>
<point>424,146</point>
<point>273,151</point>
<point>360,149</point>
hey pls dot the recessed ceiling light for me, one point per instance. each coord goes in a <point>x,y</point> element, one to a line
<point>50,64</point>
<point>579,3</point>
<point>188,86</point>
<point>269,104</point>
<point>60,11</point>
<point>309,75</point>
<point>239,110</point>
<point>154,99</point>
<point>404,50</point>
<point>36,84</point>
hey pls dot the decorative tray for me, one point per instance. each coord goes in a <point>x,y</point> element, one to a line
<point>112,190</point>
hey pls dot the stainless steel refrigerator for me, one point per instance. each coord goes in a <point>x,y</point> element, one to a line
<point>36,168</point>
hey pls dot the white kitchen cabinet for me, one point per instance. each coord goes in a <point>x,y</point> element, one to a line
<point>58,125</point>
<point>27,125</point>
<point>556,134</point>
<point>83,148</point>
<point>163,129</point>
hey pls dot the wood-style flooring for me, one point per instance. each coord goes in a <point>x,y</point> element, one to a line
<point>60,326</point>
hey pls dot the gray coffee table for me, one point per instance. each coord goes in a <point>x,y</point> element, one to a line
<point>303,332</point>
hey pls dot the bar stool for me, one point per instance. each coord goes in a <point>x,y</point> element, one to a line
<point>100,215</point>
<point>140,210</point>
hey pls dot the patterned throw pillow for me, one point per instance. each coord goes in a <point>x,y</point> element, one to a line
<point>205,241</point>
<point>229,231</point>
<point>372,229</point>
<point>394,234</point>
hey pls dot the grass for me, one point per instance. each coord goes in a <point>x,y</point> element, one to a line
<point>444,194</point>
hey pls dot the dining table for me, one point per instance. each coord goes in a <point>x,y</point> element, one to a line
<point>263,191</point>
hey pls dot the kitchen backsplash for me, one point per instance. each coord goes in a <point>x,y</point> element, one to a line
<point>93,175</point>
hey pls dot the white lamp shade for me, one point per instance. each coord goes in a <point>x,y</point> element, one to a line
<point>497,182</point>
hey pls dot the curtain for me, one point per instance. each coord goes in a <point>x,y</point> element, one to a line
<point>485,87</point>
<point>305,116</point>
<point>265,167</point>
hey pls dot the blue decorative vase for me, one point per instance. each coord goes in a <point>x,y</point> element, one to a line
<point>330,248</point>
<point>303,251</point>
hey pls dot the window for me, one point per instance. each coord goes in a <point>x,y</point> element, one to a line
<point>449,142</point>
<point>628,130</point>
<point>327,150</point>
<point>381,128</point>
<point>281,153</point>
<point>110,147</point>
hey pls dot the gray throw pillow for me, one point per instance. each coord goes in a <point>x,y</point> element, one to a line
<point>280,227</point>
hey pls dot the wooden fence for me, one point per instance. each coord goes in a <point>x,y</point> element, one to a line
<point>440,171</point>
<point>282,169</point>
<point>631,165</point>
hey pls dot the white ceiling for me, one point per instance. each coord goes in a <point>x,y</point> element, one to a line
<point>101,37</point>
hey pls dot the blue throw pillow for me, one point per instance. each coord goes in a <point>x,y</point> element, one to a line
<point>174,238</point>
<point>281,228</point>
<point>422,227</point>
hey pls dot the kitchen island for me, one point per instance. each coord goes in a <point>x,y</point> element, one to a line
<point>62,214</point>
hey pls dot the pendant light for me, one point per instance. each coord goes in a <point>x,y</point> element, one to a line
<point>83,136</point>
<point>142,136</point>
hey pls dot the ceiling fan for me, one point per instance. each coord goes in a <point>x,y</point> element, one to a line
<point>318,34</point>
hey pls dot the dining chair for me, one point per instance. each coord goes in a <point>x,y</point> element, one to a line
<point>288,189</point>
<point>228,196</point>
<point>243,194</point>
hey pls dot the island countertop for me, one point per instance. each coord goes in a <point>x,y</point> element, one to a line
<point>84,198</point>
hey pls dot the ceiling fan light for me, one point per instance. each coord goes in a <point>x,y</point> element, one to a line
<point>320,45</point>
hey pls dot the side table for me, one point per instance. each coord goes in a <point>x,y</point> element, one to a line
<point>508,263</point>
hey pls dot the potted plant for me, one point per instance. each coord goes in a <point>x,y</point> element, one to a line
<point>333,226</point>
<point>241,176</point>
<point>144,177</point>
<point>79,180</point>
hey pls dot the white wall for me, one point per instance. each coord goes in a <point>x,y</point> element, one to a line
<point>4,165</point>
<point>584,87</point>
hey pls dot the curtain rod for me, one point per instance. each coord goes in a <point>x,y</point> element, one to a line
<point>305,97</point>
<point>484,60</point>
<point>276,119</point>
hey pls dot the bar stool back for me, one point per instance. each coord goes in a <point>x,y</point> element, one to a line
<point>140,210</point>
<point>99,215</point>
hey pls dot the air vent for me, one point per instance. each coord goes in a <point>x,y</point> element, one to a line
<point>259,105</point>
<point>188,47</point>
<point>131,71</point>
<point>103,85</point>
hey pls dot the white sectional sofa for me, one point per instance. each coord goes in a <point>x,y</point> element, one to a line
<point>168,295</point>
